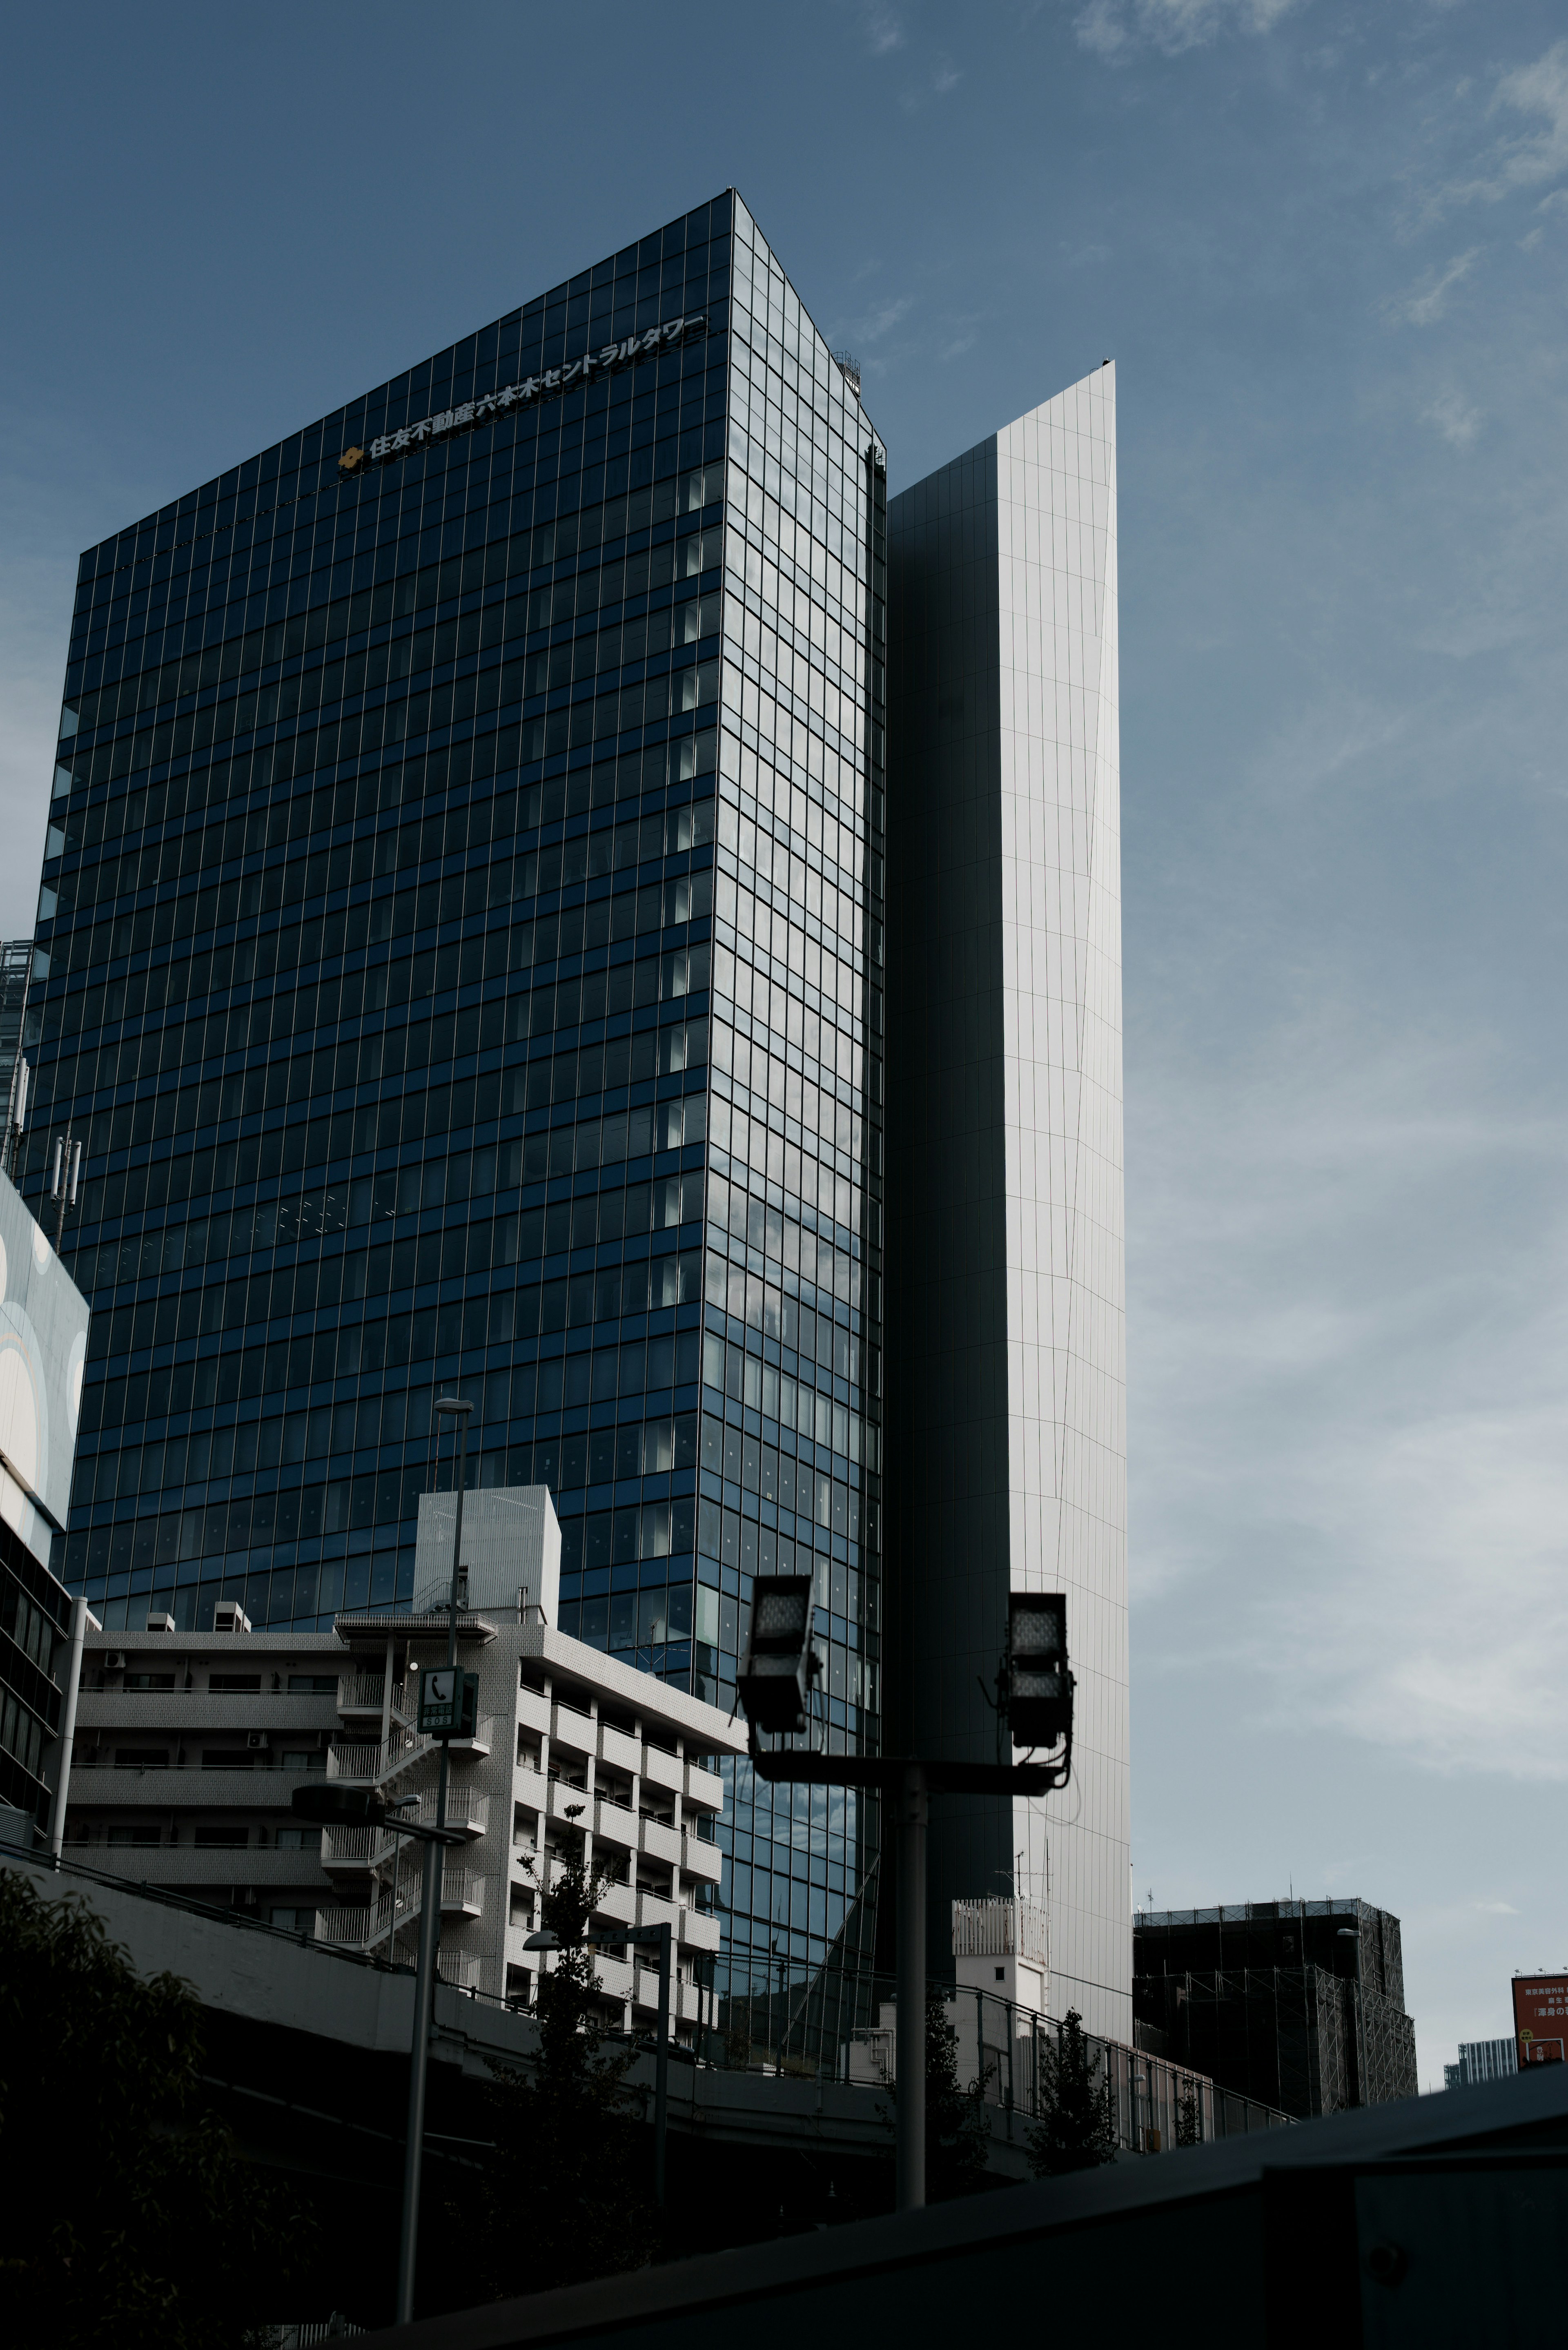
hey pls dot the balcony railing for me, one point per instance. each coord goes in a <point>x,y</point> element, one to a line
<point>362,1926</point>
<point>368,1761</point>
<point>366,1693</point>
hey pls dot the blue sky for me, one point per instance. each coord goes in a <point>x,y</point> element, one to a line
<point>1325,244</point>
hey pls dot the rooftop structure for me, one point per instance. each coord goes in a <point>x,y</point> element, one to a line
<point>1300,2004</point>
<point>1482,2060</point>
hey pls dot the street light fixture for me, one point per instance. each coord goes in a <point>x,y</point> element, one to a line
<point>779,1665</point>
<point>366,1807</point>
<point>1036,1687</point>
<point>373,1811</point>
<point>1036,1699</point>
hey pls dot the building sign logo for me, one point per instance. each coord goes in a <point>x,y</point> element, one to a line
<point>507,398</point>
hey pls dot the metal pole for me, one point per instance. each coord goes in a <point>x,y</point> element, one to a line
<point>430,1931</point>
<point>913,1811</point>
<point>662,2065</point>
<point>81,1617</point>
<point>414,2139</point>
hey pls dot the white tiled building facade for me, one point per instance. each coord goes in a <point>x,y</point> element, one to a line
<point>189,1749</point>
<point>1005,1116</point>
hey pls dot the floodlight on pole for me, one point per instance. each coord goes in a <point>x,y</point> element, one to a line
<point>779,1665</point>
<point>1035,1696</point>
<point>1035,1686</point>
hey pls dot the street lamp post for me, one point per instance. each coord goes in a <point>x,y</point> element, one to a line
<point>1034,1698</point>
<point>339,1806</point>
<point>458,1408</point>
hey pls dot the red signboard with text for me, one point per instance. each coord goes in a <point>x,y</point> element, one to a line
<point>1541,2019</point>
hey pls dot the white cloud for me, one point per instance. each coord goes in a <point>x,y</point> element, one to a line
<point>1109,28</point>
<point>1362,1389</point>
<point>1520,159</point>
<point>1427,301</point>
<point>1453,416</point>
<point>1539,90</point>
<point>883,320</point>
<point>884,29</point>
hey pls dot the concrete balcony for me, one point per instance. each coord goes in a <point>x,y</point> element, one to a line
<point>616,1825</point>
<point>183,1787</point>
<point>354,1852</point>
<point>367,1761</point>
<point>614,1976</point>
<point>698,1931</point>
<point>579,1733</point>
<point>563,1799</point>
<point>486,1730</point>
<point>618,1902</point>
<point>663,1770</point>
<point>467,1811</point>
<point>267,1866</point>
<point>694,2004</point>
<point>462,1893</point>
<point>688,2002</point>
<point>533,1710</point>
<point>138,1713</point>
<point>704,1788</point>
<point>363,1926</point>
<point>702,1859</point>
<point>621,1750</point>
<point>660,1841</point>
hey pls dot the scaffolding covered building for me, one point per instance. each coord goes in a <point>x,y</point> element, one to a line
<point>16,973</point>
<point>1299,2005</point>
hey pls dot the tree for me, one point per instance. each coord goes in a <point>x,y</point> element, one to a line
<point>958,2139</point>
<point>1077,2129</point>
<point>127,2218</point>
<point>1189,2117</point>
<point>565,2196</point>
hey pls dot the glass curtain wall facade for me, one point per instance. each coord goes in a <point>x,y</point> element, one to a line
<point>454,949</point>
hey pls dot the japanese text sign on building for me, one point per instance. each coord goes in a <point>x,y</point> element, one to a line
<point>1541,2019</point>
<point>508,398</point>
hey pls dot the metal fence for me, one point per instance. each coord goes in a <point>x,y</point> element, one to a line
<point>839,2026</point>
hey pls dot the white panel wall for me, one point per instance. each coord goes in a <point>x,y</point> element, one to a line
<point>1060,942</point>
<point>1006,1345</point>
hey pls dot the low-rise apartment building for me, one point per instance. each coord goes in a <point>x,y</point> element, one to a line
<point>188,1748</point>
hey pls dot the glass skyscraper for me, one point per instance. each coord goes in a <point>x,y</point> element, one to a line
<point>460,950</point>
